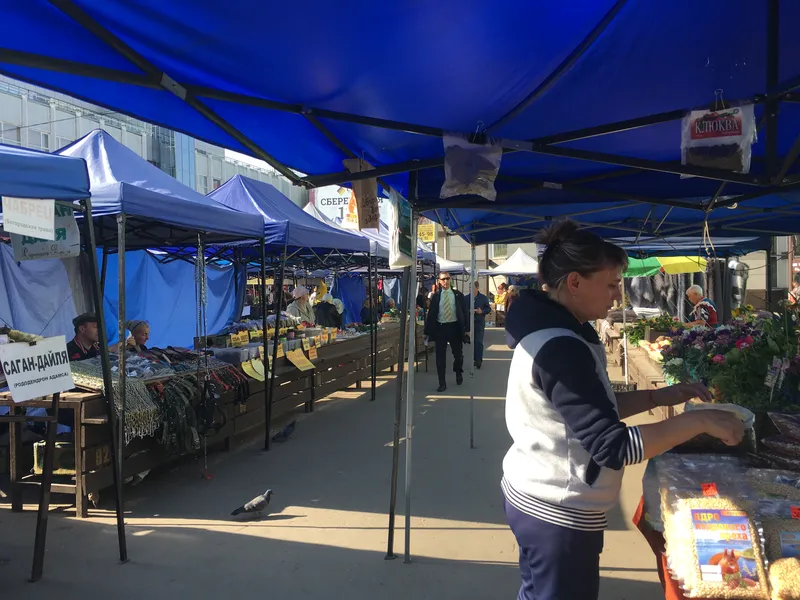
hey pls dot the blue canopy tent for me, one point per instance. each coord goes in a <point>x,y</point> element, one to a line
<point>291,231</point>
<point>286,225</point>
<point>693,246</point>
<point>568,89</point>
<point>123,183</point>
<point>37,175</point>
<point>392,109</point>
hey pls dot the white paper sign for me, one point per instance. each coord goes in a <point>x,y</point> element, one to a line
<point>38,370</point>
<point>35,218</point>
<point>67,243</point>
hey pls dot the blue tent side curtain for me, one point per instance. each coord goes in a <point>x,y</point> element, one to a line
<point>352,291</point>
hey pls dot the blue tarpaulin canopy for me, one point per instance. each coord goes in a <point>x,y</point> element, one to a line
<point>586,97</point>
<point>693,246</point>
<point>31,174</point>
<point>284,223</point>
<point>122,182</point>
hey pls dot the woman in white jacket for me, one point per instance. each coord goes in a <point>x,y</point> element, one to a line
<point>570,445</point>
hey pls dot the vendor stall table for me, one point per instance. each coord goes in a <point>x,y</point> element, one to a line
<point>338,365</point>
<point>89,412</point>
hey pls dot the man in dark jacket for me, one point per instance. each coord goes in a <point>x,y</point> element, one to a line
<point>447,323</point>
<point>482,308</point>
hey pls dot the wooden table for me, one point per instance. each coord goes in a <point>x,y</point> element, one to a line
<point>89,414</point>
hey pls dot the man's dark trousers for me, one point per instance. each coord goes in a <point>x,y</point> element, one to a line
<point>448,333</point>
<point>480,330</point>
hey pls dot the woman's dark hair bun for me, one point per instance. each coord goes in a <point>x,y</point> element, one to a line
<point>572,249</point>
<point>559,231</point>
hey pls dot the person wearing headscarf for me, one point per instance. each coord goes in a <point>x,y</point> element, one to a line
<point>327,313</point>
<point>319,293</point>
<point>301,307</point>
<point>140,334</point>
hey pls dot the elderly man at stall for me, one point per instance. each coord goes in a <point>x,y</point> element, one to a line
<point>705,311</point>
<point>86,343</point>
<point>301,307</point>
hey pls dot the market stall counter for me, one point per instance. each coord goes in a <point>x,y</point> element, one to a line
<point>89,413</point>
<point>165,420</point>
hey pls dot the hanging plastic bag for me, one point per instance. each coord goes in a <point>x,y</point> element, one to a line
<point>719,139</point>
<point>470,169</point>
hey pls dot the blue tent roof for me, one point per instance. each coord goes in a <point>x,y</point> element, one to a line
<point>123,182</point>
<point>376,247</point>
<point>769,215</point>
<point>594,90</point>
<point>693,246</point>
<point>285,223</point>
<point>32,174</point>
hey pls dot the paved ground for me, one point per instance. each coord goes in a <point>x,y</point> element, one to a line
<point>327,535</point>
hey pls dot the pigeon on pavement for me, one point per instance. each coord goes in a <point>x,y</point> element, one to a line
<point>285,433</point>
<point>256,506</point>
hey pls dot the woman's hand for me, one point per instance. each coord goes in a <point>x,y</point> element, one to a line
<point>680,393</point>
<point>723,425</point>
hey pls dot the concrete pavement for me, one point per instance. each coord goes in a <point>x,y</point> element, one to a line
<point>327,534</point>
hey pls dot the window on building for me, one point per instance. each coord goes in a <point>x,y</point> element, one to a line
<point>9,134</point>
<point>498,250</point>
<point>204,184</point>
<point>216,183</point>
<point>39,140</point>
<point>61,142</point>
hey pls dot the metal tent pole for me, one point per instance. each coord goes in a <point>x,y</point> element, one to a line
<point>107,378</point>
<point>371,301</point>
<point>121,230</point>
<point>471,321</point>
<point>407,311</point>
<point>625,336</point>
<point>375,329</point>
<point>412,338</point>
<point>264,357</point>
<point>278,282</point>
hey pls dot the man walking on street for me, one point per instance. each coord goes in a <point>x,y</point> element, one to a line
<point>447,323</point>
<point>482,309</point>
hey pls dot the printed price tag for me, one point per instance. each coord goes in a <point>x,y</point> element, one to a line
<point>281,353</point>
<point>324,337</point>
<point>312,352</point>
<point>333,335</point>
<point>795,512</point>
<point>710,489</point>
<point>306,343</point>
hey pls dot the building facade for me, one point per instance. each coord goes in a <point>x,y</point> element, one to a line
<point>33,117</point>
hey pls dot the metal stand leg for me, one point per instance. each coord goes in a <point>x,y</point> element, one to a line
<point>44,498</point>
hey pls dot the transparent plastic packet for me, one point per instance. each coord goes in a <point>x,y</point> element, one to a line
<point>714,545</point>
<point>783,445</point>
<point>714,548</point>
<point>784,578</point>
<point>470,169</point>
<point>778,461</point>
<point>780,520</point>
<point>719,139</point>
<point>775,483</point>
<point>787,424</point>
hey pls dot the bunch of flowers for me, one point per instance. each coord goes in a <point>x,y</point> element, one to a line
<point>734,359</point>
